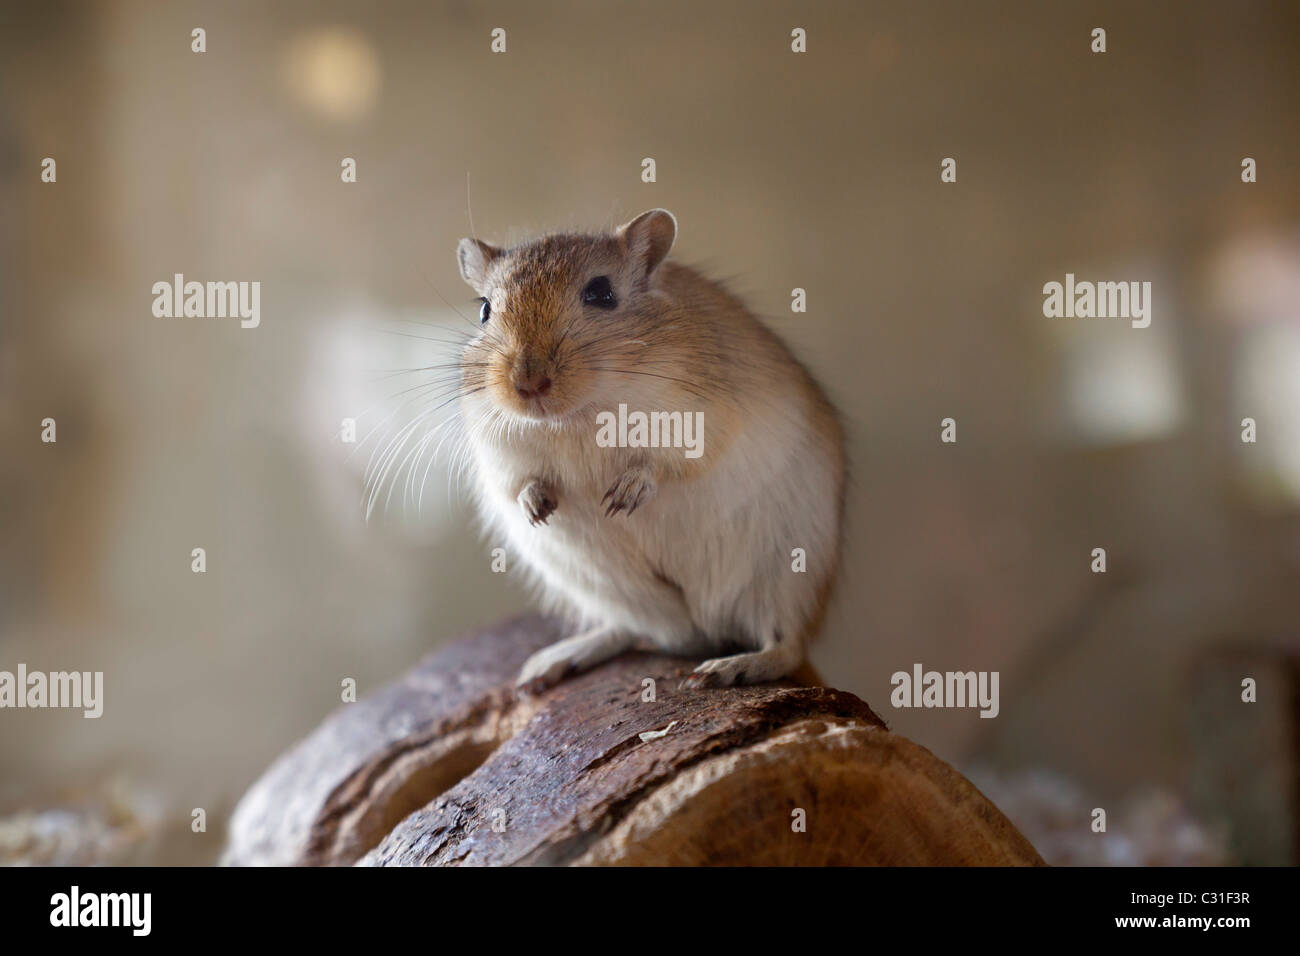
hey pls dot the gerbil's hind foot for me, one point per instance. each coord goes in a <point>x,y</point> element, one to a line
<point>538,502</point>
<point>550,665</point>
<point>752,668</point>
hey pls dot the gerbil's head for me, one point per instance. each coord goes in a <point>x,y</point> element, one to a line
<point>564,319</point>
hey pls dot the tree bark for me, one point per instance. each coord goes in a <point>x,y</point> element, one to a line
<point>615,766</point>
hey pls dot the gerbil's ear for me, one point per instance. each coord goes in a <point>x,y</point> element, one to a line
<point>648,238</point>
<point>474,257</point>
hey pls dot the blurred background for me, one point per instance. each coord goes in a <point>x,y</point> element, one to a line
<point>820,171</point>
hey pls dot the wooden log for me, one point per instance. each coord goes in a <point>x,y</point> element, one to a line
<point>616,766</point>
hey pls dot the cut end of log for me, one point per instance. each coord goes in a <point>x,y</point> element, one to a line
<point>617,766</point>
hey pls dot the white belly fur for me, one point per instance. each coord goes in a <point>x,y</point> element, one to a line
<point>722,538</point>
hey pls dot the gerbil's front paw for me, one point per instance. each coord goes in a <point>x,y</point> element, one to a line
<point>630,490</point>
<point>538,502</point>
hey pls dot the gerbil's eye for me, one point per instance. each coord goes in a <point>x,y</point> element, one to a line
<point>484,312</point>
<point>599,293</point>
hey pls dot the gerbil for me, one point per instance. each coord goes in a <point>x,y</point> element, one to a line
<point>645,547</point>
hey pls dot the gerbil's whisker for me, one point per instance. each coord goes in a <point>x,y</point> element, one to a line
<point>690,386</point>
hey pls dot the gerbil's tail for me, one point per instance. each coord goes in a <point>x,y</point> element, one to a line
<point>807,675</point>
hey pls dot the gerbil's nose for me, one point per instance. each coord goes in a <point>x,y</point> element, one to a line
<point>532,384</point>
